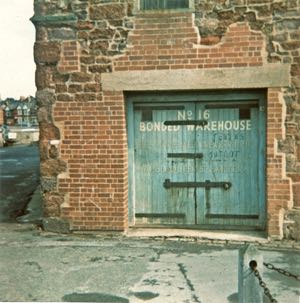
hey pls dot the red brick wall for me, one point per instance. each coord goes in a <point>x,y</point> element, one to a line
<point>278,185</point>
<point>94,145</point>
<point>69,61</point>
<point>173,42</point>
<point>84,177</point>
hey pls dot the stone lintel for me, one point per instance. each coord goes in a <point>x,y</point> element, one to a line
<point>271,75</point>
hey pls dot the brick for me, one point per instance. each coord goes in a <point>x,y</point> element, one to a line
<point>97,160</point>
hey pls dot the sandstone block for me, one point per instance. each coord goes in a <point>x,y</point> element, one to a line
<point>52,167</point>
<point>108,11</point>
<point>101,33</point>
<point>46,52</point>
<point>44,115</point>
<point>48,184</point>
<point>62,34</point>
<point>48,131</point>
<point>291,224</point>
<point>45,98</point>
<point>56,225</point>
<point>81,77</point>
<point>42,77</point>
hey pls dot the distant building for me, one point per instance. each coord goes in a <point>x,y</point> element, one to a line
<point>21,112</point>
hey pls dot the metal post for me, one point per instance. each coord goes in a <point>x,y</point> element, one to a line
<point>249,290</point>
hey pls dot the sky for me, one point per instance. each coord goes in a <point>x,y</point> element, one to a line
<point>17,36</point>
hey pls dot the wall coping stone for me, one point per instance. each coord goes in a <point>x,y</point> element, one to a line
<point>271,75</point>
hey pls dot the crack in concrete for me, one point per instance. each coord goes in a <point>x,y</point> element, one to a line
<point>189,283</point>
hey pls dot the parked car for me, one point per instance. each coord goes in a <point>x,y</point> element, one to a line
<point>8,138</point>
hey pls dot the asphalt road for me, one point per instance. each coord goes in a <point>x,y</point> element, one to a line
<point>19,177</point>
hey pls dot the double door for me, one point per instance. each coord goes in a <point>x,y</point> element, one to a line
<point>198,163</point>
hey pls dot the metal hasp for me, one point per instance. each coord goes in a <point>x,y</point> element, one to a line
<point>207,184</point>
<point>186,122</point>
<point>186,155</point>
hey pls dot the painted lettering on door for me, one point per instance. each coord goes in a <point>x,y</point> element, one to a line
<point>225,148</point>
<point>212,125</point>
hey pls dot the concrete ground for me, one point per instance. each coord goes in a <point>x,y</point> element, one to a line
<point>40,266</point>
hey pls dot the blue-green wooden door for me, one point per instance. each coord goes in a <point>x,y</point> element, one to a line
<point>230,145</point>
<point>199,163</point>
<point>154,144</point>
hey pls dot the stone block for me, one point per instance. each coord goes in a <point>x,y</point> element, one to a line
<point>60,78</point>
<point>56,225</point>
<point>271,75</point>
<point>42,77</point>
<point>101,33</point>
<point>48,184</point>
<point>81,77</point>
<point>291,45</point>
<point>48,131</point>
<point>295,70</point>
<point>62,34</point>
<point>46,52</point>
<point>100,68</point>
<point>87,59</point>
<point>45,98</point>
<point>53,152</point>
<point>44,114</point>
<point>52,167</point>
<point>41,34</point>
<point>100,47</point>
<point>296,192</point>
<point>85,25</point>
<point>291,225</point>
<point>108,11</point>
<point>65,97</point>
